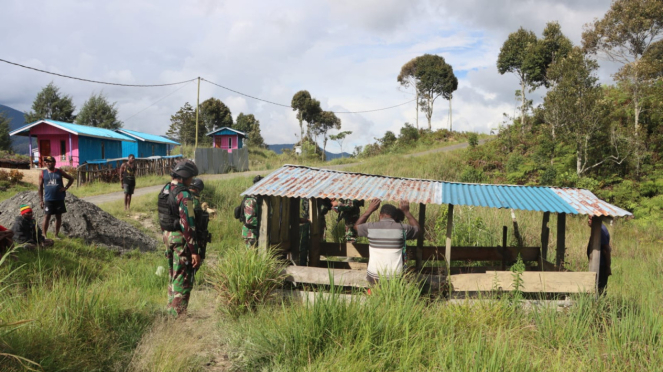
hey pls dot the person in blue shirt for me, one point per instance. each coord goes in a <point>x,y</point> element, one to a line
<point>52,192</point>
<point>606,259</point>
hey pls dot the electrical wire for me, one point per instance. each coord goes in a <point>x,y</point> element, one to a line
<point>97,81</point>
<point>157,101</point>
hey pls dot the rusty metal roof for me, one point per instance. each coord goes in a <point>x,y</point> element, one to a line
<point>306,182</point>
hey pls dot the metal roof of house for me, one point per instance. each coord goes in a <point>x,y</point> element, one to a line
<point>146,136</point>
<point>306,182</point>
<point>216,131</point>
<point>79,130</point>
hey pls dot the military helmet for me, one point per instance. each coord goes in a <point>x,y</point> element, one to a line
<point>185,169</point>
<point>198,184</point>
<point>257,179</point>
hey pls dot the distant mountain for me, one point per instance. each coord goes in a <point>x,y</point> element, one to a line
<point>330,155</point>
<point>19,144</point>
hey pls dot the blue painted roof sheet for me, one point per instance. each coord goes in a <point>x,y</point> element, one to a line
<point>226,130</point>
<point>306,182</point>
<point>147,137</point>
<point>81,130</point>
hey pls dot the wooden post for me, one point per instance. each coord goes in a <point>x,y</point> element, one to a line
<point>504,244</point>
<point>544,237</point>
<point>450,224</point>
<point>295,210</point>
<point>516,230</point>
<point>595,244</point>
<point>264,222</point>
<point>420,239</point>
<point>561,240</point>
<point>316,234</point>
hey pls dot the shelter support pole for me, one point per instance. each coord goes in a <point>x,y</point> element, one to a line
<point>30,147</point>
<point>264,223</point>
<point>450,225</point>
<point>316,233</point>
<point>197,110</point>
<point>545,232</point>
<point>561,240</point>
<point>504,248</point>
<point>420,239</point>
<point>294,229</point>
<point>595,244</point>
<point>71,152</point>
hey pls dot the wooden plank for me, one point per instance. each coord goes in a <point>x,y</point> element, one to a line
<point>293,237</point>
<point>344,249</point>
<point>275,218</point>
<point>516,229</point>
<point>532,282</point>
<point>420,238</point>
<point>561,240</point>
<point>316,232</point>
<point>450,224</point>
<point>504,244</point>
<point>342,277</point>
<point>544,236</point>
<point>264,228</point>
<point>595,243</point>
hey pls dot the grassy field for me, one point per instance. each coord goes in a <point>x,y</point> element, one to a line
<point>93,310</point>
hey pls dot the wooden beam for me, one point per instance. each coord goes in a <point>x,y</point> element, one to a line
<point>420,239</point>
<point>544,235</point>
<point>276,220</point>
<point>561,240</point>
<point>504,244</point>
<point>294,228</point>
<point>595,244</point>
<point>516,229</point>
<point>264,223</point>
<point>342,277</point>
<point>450,225</point>
<point>532,282</point>
<point>316,232</point>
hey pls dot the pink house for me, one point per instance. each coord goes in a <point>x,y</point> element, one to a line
<point>227,139</point>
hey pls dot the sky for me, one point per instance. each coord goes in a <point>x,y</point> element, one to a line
<point>346,53</point>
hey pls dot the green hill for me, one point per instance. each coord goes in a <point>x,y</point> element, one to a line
<point>19,144</point>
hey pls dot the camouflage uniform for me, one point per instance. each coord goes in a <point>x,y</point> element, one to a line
<point>349,211</point>
<point>180,245</point>
<point>251,217</point>
<point>196,199</point>
<point>304,233</point>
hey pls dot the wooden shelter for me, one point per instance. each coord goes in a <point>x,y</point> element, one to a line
<point>280,194</point>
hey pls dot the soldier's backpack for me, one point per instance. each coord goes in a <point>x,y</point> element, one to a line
<point>239,212</point>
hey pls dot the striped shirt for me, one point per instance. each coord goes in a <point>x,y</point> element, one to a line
<point>386,240</point>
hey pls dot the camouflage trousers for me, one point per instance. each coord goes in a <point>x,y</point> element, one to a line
<point>180,272</point>
<point>350,231</point>
<point>251,242</point>
<point>250,237</point>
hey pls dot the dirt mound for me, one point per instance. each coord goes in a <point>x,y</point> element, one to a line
<point>83,220</point>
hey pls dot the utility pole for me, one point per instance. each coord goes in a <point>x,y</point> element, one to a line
<point>197,109</point>
<point>450,115</point>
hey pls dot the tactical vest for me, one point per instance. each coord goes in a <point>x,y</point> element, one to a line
<point>169,209</point>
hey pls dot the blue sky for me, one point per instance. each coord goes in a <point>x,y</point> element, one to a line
<point>346,53</point>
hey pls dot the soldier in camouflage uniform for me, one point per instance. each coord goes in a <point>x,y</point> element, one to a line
<point>251,213</point>
<point>177,220</point>
<point>348,210</point>
<point>196,188</point>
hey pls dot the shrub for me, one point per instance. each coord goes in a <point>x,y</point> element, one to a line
<point>15,176</point>
<point>472,175</point>
<point>4,175</point>
<point>513,163</point>
<point>245,278</point>
<point>548,176</point>
<point>473,140</point>
<point>408,134</point>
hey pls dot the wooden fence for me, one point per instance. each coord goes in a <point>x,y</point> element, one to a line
<point>218,161</point>
<point>109,171</point>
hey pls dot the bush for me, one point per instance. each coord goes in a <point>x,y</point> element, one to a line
<point>472,175</point>
<point>15,176</point>
<point>4,175</point>
<point>473,140</point>
<point>514,162</point>
<point>548,177</point>
<point>408,134</point>
<point>245,277</point>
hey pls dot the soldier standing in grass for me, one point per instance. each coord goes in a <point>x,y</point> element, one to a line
<point>128,180</point>
<point>52,192</point>
<point>177,221</point>
<point>348,210</point>
<point>251,216</point>
<point>605,264</point>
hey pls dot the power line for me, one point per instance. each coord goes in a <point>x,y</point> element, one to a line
<point>157,101</point>
<point>380,109</point>
<point>96,81</point>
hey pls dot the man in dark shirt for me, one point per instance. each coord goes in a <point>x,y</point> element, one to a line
<point>386,239</point>
<point>128,180</point>
<point>52,192</point>
<point>606,259</point>
<point>27,232</point>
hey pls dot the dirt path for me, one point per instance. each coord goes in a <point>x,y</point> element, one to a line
<point>115,196</point>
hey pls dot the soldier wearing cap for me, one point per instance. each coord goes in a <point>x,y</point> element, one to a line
<point>52,192</point>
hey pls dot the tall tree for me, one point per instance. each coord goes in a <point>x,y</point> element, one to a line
<point>408,78</point>
<point>251,126</point>
<point>624,35</point>
<point>98,112</point>
<point>50,104</point>
<point>307,109</point>
<point>435,78</point>
<point>576,99</point>
<point>5,140</point>
<point>215,114</point>
<point>183,125</point>
<point>326,121</point>
<point>514,58</point>
<point>339,138</point>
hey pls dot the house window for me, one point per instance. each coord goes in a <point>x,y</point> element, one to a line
<point>230,142</point>
<point>103,150</point>
<point>63,150</point>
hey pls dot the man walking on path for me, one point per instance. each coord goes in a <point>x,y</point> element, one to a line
<point>128,180</point>
<point>52,192</point>
<point>177,221</point>
<point>26,230</point>
<point>386,239</point>
<point>606,259</point>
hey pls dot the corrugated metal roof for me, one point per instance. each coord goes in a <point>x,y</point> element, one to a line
<point>81,130</point>
<point>226,130</point>
<point>146,136</point>
<point>306,182</point>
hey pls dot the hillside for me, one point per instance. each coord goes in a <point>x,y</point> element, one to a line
<point>19,144</point>
<point>278,149</point>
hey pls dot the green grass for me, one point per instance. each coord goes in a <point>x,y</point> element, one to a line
<point>15,189</point>
<point>99,188</point>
